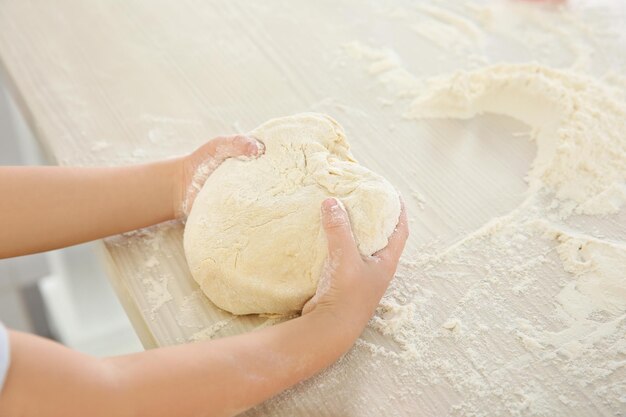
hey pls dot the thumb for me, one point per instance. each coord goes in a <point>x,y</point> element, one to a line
<point>336,224</point>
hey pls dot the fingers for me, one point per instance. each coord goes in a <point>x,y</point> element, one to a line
<point>309,305</point>
<point>336,224</point>
<point>390,255</point>
<point>224,147</point>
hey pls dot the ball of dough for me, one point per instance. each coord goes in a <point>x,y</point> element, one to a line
<point>254,241</point>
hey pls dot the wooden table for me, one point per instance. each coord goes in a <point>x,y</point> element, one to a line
<point>119,82</point>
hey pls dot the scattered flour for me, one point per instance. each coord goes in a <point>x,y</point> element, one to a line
<point>609,201</point>
<point>333,105</point>
<point>139,154</point>
<point>520,316</point>
<point>237,127</point>
<point>156,292</point>
<point>578,120</point>
<point>211,331</point>
<point>152,262</point>
<point>190,313</point>
<point>100,145</point>
<point>168,120</point>
<point>419,197</point>
<point>526,316</point>
<point>451,324</point>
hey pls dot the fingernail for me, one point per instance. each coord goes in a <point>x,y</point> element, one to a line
<point>255,146</point>
<point>260,147</point>
<point>333,203</point>
<point>329,204</point>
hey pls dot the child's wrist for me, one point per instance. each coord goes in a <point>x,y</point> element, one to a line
<point>343,325</point>
<point>168,177</point>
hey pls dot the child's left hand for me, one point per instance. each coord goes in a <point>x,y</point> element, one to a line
<point>197,166</point>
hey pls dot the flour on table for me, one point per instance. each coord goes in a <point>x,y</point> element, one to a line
<point>237,127</point>
<point>525,316</point>
<point>446,309</point>
<point>100,145</point>
<point>419,197</point>
<point>190,313</point>
<point>334,105</point>
<point>168,120</point>
<point>211,331</point>
<point>156,291</point>
<point>151,277</point>
<point>139,153</point>
<point>152,262</point>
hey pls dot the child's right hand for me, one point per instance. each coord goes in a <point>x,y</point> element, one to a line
<point>351,285</point>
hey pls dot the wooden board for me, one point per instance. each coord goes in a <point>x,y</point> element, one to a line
<point>109,83</point>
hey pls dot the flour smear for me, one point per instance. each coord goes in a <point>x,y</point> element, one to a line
<point>474,317</point>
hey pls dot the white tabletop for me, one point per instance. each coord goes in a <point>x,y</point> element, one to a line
<point>108,83</point>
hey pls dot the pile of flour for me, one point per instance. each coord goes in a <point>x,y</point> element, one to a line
<point>533,349</point>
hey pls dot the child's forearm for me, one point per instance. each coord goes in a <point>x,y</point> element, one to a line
<point>213,378</point>
<point>227,376</point>
<point>45,208</point>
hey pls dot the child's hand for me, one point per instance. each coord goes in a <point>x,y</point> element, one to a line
<point>197,166</point>
<point>351,286</point>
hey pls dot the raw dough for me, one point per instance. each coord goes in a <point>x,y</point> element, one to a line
<point>253,239</point>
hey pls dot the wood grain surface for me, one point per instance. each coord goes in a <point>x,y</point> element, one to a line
<point>121,82</point>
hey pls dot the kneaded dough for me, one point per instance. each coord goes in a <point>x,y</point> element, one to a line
<point>254,240</point>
